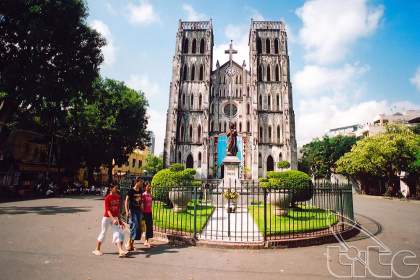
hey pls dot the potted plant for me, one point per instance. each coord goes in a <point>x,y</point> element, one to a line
<point>232,200</point>
<point>285,188</point>
<point>174,185</point>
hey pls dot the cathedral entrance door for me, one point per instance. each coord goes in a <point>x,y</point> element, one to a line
<point>190,162</point>
<point>270,163</point>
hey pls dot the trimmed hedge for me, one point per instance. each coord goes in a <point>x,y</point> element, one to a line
<point>172,177</point>
<point>295,180</point>
<point>283,164</point>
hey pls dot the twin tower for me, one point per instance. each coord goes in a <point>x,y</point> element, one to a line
<point>203,101</point>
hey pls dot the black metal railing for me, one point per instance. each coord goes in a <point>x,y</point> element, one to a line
<point>207,212</point>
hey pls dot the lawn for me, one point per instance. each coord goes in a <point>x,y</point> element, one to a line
<point>165,218</point>
<point>297,220</point>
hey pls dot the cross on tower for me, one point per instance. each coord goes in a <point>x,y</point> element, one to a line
<point>231,51</point>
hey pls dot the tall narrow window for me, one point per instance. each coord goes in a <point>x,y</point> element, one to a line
<point>278,102</point>
<point>181,133</point>
<point>192,101</point>
<point>185,46</point>
<point>268,73</point>
<point>193,73</point>
<point>276,46</point>
<point>184,72</point>
<point>211,126</point>
<point>278,134</point>
<point>200,99</point>
<point>277,73</point>
<point>260,101</point>
<point>224,126</point>
<point>236,80</point>
<point>199,133</point>
<point>267,45</point>
<point>240,126</point>
<point>261,134</point>
<point>269,102</point>
<point>201,72</point>
<point>240,79</point>
<point>260,73</point>
<point>280,157</point>
<point>248,127</point>
<point>194,46</point>
<point>202,46</point>
<point>191,133</point>
<point>199,159</point>
<point>259,160</point>
<point>247,91</point>
<point>259,46</point>
<point>269,134</point>
<point>247,108</point>
<point>179,157</point>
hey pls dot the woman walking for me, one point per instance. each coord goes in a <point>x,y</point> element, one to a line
<point>133,212</point>
<point>111,219</point>
<point>147,213</point>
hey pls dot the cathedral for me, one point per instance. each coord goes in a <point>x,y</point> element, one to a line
<point>203,101</point>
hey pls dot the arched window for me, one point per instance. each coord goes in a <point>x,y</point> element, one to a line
<point>192,101</point>
<point>269,102</point>
<point>193,73</point>
<point>183,99</point>
<point>260,102</point>
<point>278,134</point>
<point>202,46</point>
<point>191,133</point>
<point>211,108</point>
<point>185,46</point>
<point>224,126</point>
<point>259,46</point>
<point>259,160</point>
<point>268,73</point>
<point>240,126</point>
<point>280,157</point>
<point>248,127</point>
<point>199,133</point>
<point>199,159</point>
<point>236,79</point>
<point>194,46</point>
<point>269,134</point>
<point>200,98</point>
<point>184,72</point>
<point>181,133</point>
<point>211,126</point>
<point>247,91</point>
<point>190,162</point>
<point>201,72</point>
<point>236,93</point>
<point>247,108</point>
<point>260,73</point>
<point>278,102</point>
<point>277,73</point>
<point>267,45</point>
<point>270,163</point>
<point>276,46</point>
<point>179,157</point>
<point>261,134</point>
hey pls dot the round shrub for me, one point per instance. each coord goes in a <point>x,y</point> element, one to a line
<point>299,182</point>
<point>176,167</point>
<point>283,164</point>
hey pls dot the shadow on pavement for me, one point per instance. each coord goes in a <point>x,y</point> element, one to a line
<point>368,224</point>
<point>41,210</point>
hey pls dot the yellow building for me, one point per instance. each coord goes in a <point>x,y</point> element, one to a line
<point>134,164</point>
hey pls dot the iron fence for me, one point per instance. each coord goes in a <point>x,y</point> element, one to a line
<point>242,211</point>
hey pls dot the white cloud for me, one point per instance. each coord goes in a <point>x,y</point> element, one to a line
<point>193,15</point>
<point>255,14</point>
<point>239,35</point>
<point>314,79</point>
<point>142,14</point>
<point>331,27</point>
<point>415,80</point>
<point>109,50</point>
<point>143,83</point>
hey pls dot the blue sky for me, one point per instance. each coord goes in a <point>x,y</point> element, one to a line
<point>350,59</point>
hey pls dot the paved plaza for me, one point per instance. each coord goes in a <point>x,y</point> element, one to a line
<point>53,239</point>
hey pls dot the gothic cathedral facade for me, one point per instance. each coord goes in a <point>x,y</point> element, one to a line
<point>203,102</point>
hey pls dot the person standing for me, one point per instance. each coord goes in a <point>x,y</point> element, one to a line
<point>111,219</point>
<point>133,212</point>
<point>147,213</point>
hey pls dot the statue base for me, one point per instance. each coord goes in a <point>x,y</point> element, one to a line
<point>231,173</point>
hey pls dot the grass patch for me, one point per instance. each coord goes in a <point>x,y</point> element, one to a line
<point>297,220</point>
<point>165,217</point>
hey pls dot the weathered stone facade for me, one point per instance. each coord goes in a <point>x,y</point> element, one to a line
<point>203,101</point>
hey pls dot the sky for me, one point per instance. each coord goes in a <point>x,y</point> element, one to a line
<point>349,60</point>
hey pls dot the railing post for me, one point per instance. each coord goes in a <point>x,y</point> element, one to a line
<point>265,214</point>
<point>195,212</point>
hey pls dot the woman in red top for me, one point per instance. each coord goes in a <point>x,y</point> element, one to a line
<point>147,214</point>
<point>112,219</point>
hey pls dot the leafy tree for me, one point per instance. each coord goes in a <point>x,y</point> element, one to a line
<point>383,155</point>
<point>153,164</point>
<point>283,164</point>
<point>109,126</point>
<point>48,56</point>
<point>320,155</point>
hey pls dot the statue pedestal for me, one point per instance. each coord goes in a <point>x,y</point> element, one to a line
<point>231,173</point>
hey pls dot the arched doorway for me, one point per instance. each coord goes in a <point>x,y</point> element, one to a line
<point>190,161</point>
<point>270,163</point>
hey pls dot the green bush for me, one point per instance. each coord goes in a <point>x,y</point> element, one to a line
<point>175,176</point>
<point>299,182</point>
<point>283,164</point>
